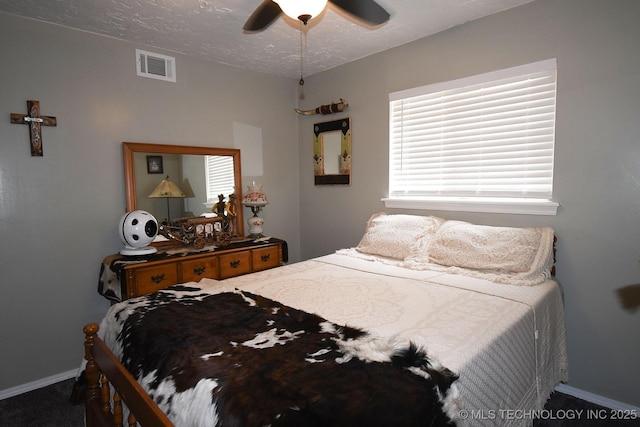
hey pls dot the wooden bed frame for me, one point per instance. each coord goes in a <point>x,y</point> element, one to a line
<point>105,374</point>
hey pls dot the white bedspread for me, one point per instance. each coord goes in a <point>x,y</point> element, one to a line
<point>507,343</point>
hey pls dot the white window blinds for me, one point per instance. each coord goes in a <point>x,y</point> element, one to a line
<point>485,136</point>
<point>220,177</point>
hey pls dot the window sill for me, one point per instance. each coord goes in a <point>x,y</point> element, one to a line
<point>476,204</point>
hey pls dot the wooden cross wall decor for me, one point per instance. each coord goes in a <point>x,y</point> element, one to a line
<point>35,121</point>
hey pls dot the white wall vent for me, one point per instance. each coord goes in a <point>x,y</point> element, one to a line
<point>155,66</point>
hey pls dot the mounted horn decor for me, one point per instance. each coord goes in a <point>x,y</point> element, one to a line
<point>333,108</point>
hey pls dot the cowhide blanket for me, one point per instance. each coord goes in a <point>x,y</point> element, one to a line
<point>239,359</point>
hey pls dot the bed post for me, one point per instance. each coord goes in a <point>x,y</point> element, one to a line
<point>553,266</point>
<point>92,372</point>
<point>102,371</point>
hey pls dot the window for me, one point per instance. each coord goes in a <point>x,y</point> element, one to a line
<point>483,143</point>
<point>220,177</point>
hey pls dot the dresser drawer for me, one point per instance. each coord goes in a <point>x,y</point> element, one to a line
<point>194,270</point>
<point>151,279</point>
<point>264,258</point>
<point>235,264</point>
<point>122,277</point>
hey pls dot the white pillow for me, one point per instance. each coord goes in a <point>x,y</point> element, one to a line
<point>394,236</point>
<point>482,247</point>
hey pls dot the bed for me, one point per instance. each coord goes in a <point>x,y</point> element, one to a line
<point>425,322</point>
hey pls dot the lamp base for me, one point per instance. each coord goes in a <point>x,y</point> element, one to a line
<point>255,227</point>
<point>129,251</point>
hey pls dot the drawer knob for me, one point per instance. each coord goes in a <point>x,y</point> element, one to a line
<point>199,270</point>
<point>235,264</point>
<point>157,278</point>
<point>265,258</point>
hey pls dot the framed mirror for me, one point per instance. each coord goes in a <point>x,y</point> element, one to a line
<point>332,152</point>
<point>199,173</point>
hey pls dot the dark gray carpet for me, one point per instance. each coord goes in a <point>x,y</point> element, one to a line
<point>50,407</point>
<point>45,407</point>
<point>564,410</point>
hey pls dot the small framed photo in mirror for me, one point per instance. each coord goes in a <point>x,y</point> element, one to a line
<point>154,164</point>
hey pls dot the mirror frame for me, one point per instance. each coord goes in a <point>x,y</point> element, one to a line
<point>344,176</point>
<point>129,148</point>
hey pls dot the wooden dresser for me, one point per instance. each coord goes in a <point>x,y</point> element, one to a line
<point>124,277</point>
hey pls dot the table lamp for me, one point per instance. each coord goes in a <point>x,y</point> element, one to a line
<point>255,199</point>
<point>168,190</point>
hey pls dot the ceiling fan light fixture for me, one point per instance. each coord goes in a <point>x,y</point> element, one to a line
<point>302,9</point>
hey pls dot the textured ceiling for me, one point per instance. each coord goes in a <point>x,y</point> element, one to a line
<point>212,29</point>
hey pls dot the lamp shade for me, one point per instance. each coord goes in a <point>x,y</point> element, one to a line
<point>254,196</point>
<point>299,8</point>
<point>167,188</point>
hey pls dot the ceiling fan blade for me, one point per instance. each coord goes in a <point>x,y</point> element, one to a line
<point>263,16</point>
<point>367,10</point>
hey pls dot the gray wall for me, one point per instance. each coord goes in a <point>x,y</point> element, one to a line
<point>58,213</point>
<point>597,168</point>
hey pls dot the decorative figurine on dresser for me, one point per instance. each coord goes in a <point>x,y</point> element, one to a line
<point>210,246</point>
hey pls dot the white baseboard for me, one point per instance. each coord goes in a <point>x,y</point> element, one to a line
<point>597,399</point>
<point>34,385</point>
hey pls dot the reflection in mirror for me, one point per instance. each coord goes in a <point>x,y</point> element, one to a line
<point>200,178</point>
<point>202,173</point>
<point>332,152</point>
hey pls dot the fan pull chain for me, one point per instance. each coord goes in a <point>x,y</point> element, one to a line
<point>303,48</point>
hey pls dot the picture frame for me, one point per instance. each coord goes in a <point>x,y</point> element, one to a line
<point>154,164</point>
<point>332,152</point>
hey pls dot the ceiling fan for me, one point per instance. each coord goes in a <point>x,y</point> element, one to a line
<point>367,10</point>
